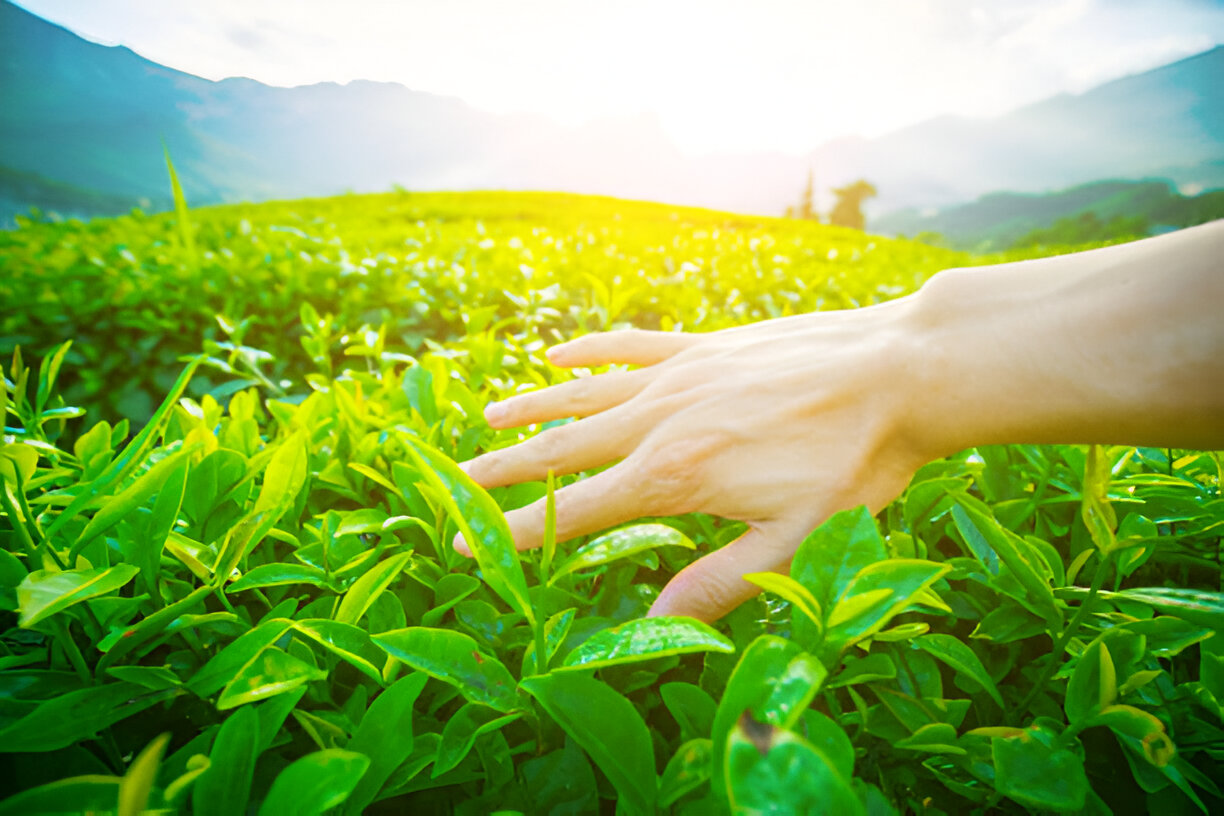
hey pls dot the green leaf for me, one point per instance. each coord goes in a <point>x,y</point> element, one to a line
<point>226,786</point>
<point>1094,682</point>
<point>44,593</point>
<point>1138,724</point>
<point>775,680</point>
<point>418,387</point>
<point>806,617</point>
<point>830,740</point>
<point>18,462</point>
<point>976,524</point>
<point>156,678</point>
<point>368,587</point>
<point>935,738</point>
<point>272,672</point>
<point>284,477</point>
<point>278,574</point>
<point>692,708</point>
<point>454,658</point>
<point>461,731</point>
<point>482,524</point>
<point>686,771</point>
<point>385,736</point>
<point>48,372</point>
<point>181,217</point>
<point>77,794</point>
<point>889,587</point>
<point>622,543</point>
<point>138,782</point>
<point>132,455</point>
<point>952,651</point>
<point>771,770</point>
<point>835,552</point>
<point>1193,605</point>
<point>77,716</point>
<point>644,639</point>
<point>373,520</point>
<point>315,783</point>
<point>875,666</point>
<point>1095,508</point>
<point>607,727</point>
<point>231,660</point>
<point>1029,770</point>
<point>350,643</point>
<point>135,495</point>
<point>147,548</point>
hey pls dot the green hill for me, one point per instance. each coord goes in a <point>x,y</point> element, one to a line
<point>1113,208</point>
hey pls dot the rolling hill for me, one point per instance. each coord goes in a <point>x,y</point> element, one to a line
<point>94,118</point>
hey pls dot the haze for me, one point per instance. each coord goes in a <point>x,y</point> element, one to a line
<point>767,75</point>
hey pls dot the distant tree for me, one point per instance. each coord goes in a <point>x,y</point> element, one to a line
<point>805,208</point>
<point>848,211</point>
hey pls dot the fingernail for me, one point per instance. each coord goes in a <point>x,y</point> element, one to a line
<point>495,412</point>
<point>555,354</point>
<point>461,546</point>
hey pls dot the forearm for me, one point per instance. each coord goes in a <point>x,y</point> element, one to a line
<point>1123,345</point>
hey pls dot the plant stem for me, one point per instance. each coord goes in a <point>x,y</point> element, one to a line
<point>1060,647</point>
<point>17,522</point>
<point>73,651</point>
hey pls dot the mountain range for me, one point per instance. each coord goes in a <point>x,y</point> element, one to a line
<point>85,123</point>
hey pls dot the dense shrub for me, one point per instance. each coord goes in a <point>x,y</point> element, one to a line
<point>246,601</point>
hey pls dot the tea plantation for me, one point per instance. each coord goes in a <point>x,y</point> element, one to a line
<point>226,585</point>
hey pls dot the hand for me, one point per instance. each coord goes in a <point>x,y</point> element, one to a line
<point>778,424</point>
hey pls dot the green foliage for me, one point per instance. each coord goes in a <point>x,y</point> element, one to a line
<point>253,605</point>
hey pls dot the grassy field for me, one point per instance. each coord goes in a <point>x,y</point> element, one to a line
<point>228,484</point>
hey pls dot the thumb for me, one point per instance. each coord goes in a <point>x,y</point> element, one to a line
<point>712,586</point>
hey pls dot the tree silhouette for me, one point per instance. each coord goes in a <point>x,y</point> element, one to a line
<point>805,209</point>
<point>848,211</point>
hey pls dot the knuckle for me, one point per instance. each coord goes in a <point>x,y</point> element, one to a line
<point>674,471</point>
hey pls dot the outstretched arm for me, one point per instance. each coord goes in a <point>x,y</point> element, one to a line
<point>782,423</point>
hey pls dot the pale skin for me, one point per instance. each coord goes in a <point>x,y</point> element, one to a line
<point>782,423</point>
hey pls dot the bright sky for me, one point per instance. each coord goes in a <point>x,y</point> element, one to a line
<point>758,74</point>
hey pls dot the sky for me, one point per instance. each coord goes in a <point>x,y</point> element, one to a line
<point>782,75</point>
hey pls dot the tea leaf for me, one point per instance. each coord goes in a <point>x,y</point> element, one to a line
<point>646,638</point>
<point>482,524</point>
<point>454,658</point>
<point>385,737</point>
<point>364,591</point>
<point>315,783</point>
<point>770,769</point>
<point>620,544</point>
<point>43,594</point>
<point>608,728</point>
<point>961,658</point>
<point>226,786</point>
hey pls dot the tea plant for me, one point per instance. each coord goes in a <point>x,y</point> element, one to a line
<point>250,604</point>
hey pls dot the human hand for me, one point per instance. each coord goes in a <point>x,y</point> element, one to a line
<point>778,424</point>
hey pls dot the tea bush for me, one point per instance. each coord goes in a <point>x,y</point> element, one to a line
<point>228,588</point>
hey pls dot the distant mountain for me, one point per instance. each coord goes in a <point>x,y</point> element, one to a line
<point>1166,123</point>
<point>90,117</point>
<point>999,220</point>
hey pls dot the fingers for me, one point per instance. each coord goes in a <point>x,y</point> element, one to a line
<point>577,398</point>
<point>712,586</point>
<point>604,500</point>
<point>564,449</point>
<point>633,346</point>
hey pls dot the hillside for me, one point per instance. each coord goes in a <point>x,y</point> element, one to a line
<point>94,117</point>
<point>998,220</point>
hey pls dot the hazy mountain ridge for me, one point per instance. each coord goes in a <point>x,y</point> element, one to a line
<point>94,117</point>
<point>999,220</point>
